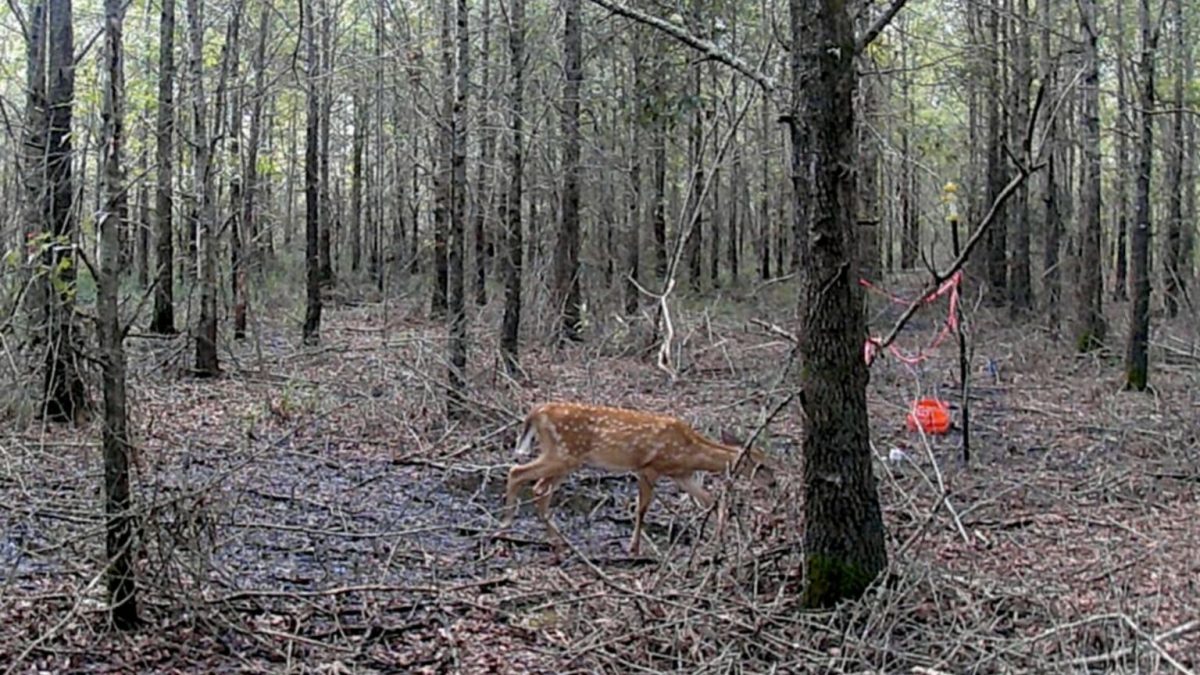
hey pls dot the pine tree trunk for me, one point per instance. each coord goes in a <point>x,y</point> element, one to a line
<point>844,538</point>
<point>1136,358</point>
<point>312,188</point>
<point>566,258</point>
<point>456,391</point>
<point>1090,326</point>
<point>163,321</point>
<point>510,328</point>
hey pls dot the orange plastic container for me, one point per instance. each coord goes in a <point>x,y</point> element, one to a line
<point>932,415</point>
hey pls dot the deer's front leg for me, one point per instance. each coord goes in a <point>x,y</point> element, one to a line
<point>645,495</point>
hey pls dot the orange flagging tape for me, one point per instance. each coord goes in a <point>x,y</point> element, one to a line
<point>931,415</point>
<point>950,286</point>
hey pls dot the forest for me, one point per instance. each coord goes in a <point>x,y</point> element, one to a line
<point>396,336</point>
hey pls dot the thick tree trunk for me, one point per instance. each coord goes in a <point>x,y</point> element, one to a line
<point>1020,282</point>
<point>441,173</point>
<point>1124,129</point>
<point>456,376</point>
<point>312,188</point>
<point>997,235</point>
<point>510,328</point>
<point>566,259</point>
<point>1136,359</point>
<point>327,217</point>
<point>1173,283</point>
<point>844,538</point>
<point>1052,223</point>
<point>206,364</point>
<point>163,320</point>
<point>1090,327</point>
<point>487,151</point>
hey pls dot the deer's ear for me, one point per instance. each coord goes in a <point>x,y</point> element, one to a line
<point>729,438</point>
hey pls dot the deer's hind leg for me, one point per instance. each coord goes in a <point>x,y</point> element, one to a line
<point>537,470</point>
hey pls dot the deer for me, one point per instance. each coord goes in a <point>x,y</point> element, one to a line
<point>651,445</point>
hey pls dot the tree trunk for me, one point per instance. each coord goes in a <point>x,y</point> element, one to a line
<point>163,320</point>
<point>844,538</point>
<point>356,179</point>
<point>510,329</point>
<point>1124,129</point>
<point>693,225</point>
<point>487,152</point>
<point>237,238</point>
<point>312,196</point>
<point>325,184</point>
<point>869,162</point>
<point>205,214</point>
<point>1136,360</point>
<point>1052,224</point>
<point>1090,329</point>
<point>997,235</point>
<point>1020,283</point>
<point>566,258</point>
<point>119,544</point>
<point>659,215</point>
<point>441,179</point>
<point>633,217</point>
<point>910,228</point>
<point>250,203</point>
<point>456,401</point>
<point>1173,283</point>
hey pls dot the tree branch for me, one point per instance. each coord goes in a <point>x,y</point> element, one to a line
<point>699,44</point>
<point>876,28</point>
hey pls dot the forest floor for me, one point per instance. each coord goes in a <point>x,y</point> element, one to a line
<point>313,510</point>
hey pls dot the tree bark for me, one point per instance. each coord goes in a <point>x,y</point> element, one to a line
<point>566,278</point>
<point>511,326</point>
<point>844,538</point>
<point>1124,129</point>
<point>456,392</point>
<point>312,196</point>
<point>1090,325</point>
<point>119,544</point>
<point>1173,283</point>
<point>633,217</point>
<point>163,320</point>
<point>487,152</point>
<point>206,364</point>
<point>1020,282</point>
<point>997,235</point>
<point>1052,223</point>
<point>1137,367</point>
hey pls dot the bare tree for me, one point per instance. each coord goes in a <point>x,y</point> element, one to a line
<point>312,194</point>
<point>1136,359</point>
<point>1020,289</point>
<point>1090,327</point>
<point>1123,131</point>
<point>566,256</point>
<point>1052,210</point>
<point>122,589</point>
<point>456,401</point>
<point>1174,283</point>
<point>205,215</point>
<point>50,192</point>
<point>164,289</point>
<point>511,326</point>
